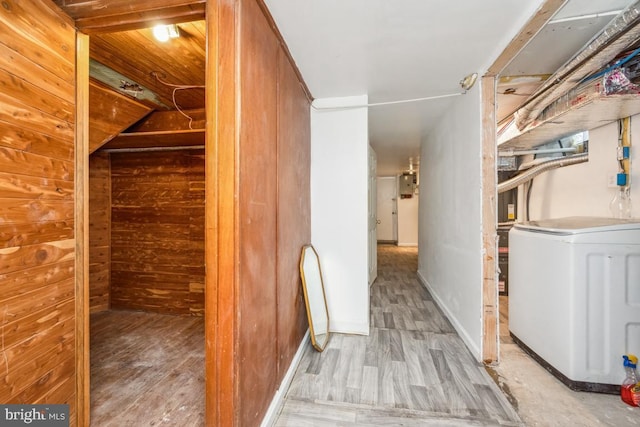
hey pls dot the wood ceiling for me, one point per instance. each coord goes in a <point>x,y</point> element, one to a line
<point>139,56</point>
<point>93,16</point>
<point>121,40</point>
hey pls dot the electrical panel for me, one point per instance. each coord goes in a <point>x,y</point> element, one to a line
<point>407,184</point>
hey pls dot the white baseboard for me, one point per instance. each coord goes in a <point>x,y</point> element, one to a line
<point>471,345</point>
<point>407,244</point>
<point>276,403</point>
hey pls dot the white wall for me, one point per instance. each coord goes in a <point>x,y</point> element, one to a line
<point>582,190</point>
<point>408,221</point>
<point>339,209</point>
<point>450,243</point>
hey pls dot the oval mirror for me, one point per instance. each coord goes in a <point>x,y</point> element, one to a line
<point>314,297</point>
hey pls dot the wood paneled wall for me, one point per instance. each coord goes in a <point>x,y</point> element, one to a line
<point>274,212</point>
<point>99,231</point>
<point>294,209</point>
<point>37,246</point>
<point>258,209</point>
<point>157,231</point>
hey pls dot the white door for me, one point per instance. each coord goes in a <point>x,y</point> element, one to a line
<point>386,207</point>
<point>373,242</point>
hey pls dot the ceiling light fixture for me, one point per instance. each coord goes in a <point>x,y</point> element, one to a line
<point>163,33</point>
<point>468,82</point>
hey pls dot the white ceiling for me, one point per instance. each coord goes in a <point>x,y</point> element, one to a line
<point>405,49</point>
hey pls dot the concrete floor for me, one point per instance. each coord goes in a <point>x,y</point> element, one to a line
<point>541,400</point>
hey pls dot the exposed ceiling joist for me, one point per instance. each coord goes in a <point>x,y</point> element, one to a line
<point>165,139</point>
<point>93,16</point>
<point>171,120</point>
<point>544,13</point>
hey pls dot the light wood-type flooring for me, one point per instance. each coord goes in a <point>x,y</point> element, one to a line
<point>146,370</point>
<point>412,370</point>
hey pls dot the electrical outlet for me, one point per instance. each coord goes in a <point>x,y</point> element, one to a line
<point>612,180</point>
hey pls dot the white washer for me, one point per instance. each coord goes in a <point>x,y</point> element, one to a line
<point>574,297</point>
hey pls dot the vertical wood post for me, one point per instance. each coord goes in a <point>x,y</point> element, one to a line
<point>490,338</point>
<point>221,207</point>
<point>489,222</point>
<point>82,229</point>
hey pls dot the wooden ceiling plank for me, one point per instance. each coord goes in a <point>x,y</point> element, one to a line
<point>138,20</point>
<point>103,8</point>
<point>164,139</point>
<point>170,120</point>
<point>115,58</point>
<point>188,69</point>
<point>137,54</point>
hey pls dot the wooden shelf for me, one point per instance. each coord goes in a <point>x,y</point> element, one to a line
<point>173,138</point>
<point>593,112</point>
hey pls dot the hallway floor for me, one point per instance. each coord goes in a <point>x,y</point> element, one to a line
<point>414,370</point>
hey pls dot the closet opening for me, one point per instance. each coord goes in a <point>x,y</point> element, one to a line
<point>147,225</point>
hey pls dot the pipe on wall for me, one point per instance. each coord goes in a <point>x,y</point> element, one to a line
<point>510,153</point>
<point>537,170</point>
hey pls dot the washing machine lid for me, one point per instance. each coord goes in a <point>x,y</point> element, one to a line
<point>579,224</point>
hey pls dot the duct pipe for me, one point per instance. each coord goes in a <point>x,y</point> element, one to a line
<point>537,170</point>
<point>621,33</point>
<point>587,16</point>
<point>511,153</point>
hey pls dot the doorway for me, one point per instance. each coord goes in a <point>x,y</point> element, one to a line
<point>146,209</point>
<point>387,189</point>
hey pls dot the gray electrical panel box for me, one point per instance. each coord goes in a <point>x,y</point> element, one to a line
<point>407,185</point>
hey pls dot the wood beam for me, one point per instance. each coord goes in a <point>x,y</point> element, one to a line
<point>221,212</point>
<point>82,230</point>
<point>490,351</point>
<point>93,16</point>
<point>171,120</point>
<point>171,138</point>
<point>544,13</point>
<point>490,347</point>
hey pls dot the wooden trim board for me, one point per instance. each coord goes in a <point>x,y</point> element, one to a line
<point>490,343</point>
<point>82,229</point>
<point>544,13</point>
<point>490,350</point>
<point>221,231</point>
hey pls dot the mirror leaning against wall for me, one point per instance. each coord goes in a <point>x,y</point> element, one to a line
<point>314,297</point>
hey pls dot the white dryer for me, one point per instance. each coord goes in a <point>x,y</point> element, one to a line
<point>574,297</point>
